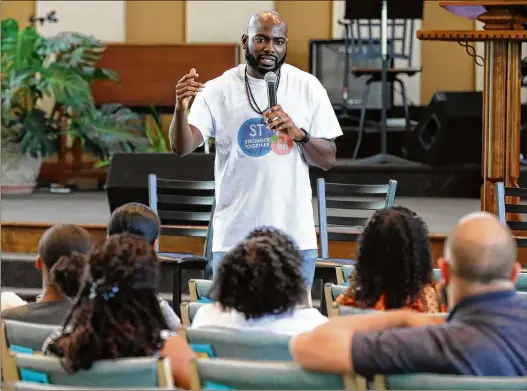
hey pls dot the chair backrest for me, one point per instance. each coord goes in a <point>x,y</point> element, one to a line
<point>222,342</point>
<point>331,292</point>
<point>183,207</point>
<point>507,203</point>
<point>200,290</point>
<point>122,373</point>
<point>253,375</point>
<point>425,381</point>
<point>363,30</point>
<point>31,386</point>
<point>27,337</point>
<point>521,282</point>
<point>335,198</point>
<point>188,312</point>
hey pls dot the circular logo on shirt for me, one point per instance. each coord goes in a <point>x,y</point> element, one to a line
<point>256,139</point>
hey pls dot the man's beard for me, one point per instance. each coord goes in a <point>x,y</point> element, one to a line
<point>254,63</point>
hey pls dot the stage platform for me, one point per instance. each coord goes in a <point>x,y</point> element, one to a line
<point>25,218</point>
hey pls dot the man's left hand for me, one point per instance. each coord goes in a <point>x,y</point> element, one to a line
<point>278,121</point>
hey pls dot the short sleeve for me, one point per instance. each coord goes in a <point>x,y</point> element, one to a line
<point>200,116</point>
<point>406,350</point>
<point>324,122</point>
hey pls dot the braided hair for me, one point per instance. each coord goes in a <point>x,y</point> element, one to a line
<point>394,259</point>
<point>261,275</point>
<point>116,313</point>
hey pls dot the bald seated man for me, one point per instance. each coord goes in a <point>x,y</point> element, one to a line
<point>262,153</point>
<point>484,335</point>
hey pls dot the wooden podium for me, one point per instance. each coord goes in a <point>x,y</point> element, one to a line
<point>503,34</point>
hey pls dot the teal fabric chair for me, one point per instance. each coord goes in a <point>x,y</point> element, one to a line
<point>200,290</point>
<point>237,344</point>
<point>521,282</point>
<point>220,374</point>
<point>123,373</point>
<point>27,337</point>
<point>28,386</point>
<point>448,382</point>
<point>331,292</point>
<point>188,312</point>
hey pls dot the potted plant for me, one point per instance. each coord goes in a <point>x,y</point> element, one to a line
<point>46,95</point>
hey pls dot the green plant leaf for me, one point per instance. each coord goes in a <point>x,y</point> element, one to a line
<point>67,87</point>
<point>18,47</point>
<point>38,136</point>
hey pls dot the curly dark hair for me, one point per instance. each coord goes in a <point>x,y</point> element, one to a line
<point>261,275</point>
<point>67,273</point>
<point>394,259</point>
<point>117,312</point>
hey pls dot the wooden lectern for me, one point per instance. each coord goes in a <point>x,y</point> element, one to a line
<point>503,34</point>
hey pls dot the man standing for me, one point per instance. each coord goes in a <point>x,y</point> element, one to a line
<point>262,154</point>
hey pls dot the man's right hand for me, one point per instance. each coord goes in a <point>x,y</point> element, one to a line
<point>186,89</point>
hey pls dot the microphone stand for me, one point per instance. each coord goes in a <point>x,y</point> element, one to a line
<point>383,157</point>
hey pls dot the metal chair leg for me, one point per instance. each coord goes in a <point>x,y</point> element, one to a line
<point>405,103</point>
<point>364,107</point>
<point>176,289</point>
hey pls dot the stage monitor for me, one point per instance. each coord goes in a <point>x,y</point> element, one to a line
<point>371,9</point>
<point>327,64</point>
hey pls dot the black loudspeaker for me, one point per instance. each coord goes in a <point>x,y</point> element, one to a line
<point>450,132</point>
<point>127,179</point>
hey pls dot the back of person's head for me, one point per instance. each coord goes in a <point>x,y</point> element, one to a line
<point>394,259</point>
<point>61,249</point>
<point>137,219</point>
<point>480,250</point>
<point>117,312</point>
<point>67,273</point>
<point>261,275</point>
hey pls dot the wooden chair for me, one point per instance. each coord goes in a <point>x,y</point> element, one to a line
<point>184,208</point>
<point>253,375</point>
<point>21,337</point>
<point>188,312</point>
<point>122,373</point>
<point>221,342</point>
<point>336,201</point>
<point>426,381</point>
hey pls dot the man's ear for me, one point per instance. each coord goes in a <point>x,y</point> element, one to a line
<point>445,270</point>
<point>154,245</point>
<point>245,39</point>
<point>38,262</point>
<point>516,272</point>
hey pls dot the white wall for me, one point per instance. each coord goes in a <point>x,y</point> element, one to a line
<point>106,20</point>
<point>221,21</point>
<point>413,84</point>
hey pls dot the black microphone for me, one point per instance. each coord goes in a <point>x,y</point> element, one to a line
<point>271,79</point>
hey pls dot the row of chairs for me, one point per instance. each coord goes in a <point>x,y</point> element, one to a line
<point>240,360</point>
<point>186,208</point>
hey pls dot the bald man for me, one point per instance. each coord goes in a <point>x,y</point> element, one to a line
<point>484,335</point>
<point>262,153</point>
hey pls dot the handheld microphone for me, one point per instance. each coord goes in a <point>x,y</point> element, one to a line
<point>271,79</point>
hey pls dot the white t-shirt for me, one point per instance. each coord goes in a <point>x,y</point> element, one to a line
<point>292,323</point>
<point>261,180</point>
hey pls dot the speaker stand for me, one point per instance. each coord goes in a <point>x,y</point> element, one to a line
<point>383,157</point>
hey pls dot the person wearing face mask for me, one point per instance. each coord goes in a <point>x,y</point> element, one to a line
<point>262,153</point>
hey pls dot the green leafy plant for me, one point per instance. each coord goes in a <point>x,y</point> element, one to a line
<point>46,93</point>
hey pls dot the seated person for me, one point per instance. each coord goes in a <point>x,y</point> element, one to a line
<point>483,336</point>
<point>61,240</point>
<point>10,300</point>
<point>117,313</point>
<point>139,219</point>
<point>259,286</point>
<point>394,265</point>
